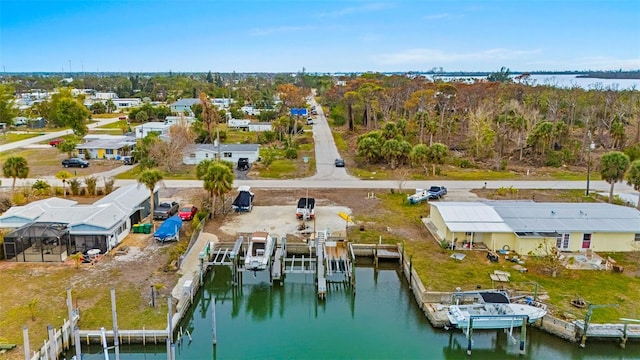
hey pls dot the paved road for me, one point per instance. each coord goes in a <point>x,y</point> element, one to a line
<point>51,135</point>
<point>328,176</point>
<point>326,149</point>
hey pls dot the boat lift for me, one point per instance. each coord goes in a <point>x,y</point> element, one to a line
<point>330,260</point>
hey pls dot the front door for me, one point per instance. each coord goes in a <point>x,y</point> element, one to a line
<point>586,241</point>
<point>562,241</point>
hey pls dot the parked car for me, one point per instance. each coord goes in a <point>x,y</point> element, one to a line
<point>75,162</point>
<point>436,192</point>
<point>128,160</point>
<point>243,164</point>
<point>309,121</point>
<point>188,212</point>
<point>165,210</point>
<point>122,117</point>
<point>339,163</point>
<point>55,142</point>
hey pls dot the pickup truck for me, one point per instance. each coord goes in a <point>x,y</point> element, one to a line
<point>306,209</point>
<point>436,192</point>
<point>165,210</point>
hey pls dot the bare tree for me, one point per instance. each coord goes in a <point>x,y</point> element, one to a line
<point>168,153</point>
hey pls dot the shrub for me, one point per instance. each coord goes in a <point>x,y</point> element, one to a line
<point>83,191</point>
<point>465,164</point>
<point>291,153</point>
<point>5,204</point>
<point>19,199</point>
<point>91,182</point>
<point>41,187</point>
<point>57,191</point>
<point>108,185</point>
<point>554,159</point>
<point>74,186</point>
<point>100,192</point>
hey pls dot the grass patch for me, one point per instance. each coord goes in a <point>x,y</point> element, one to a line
<point>278,169</point>
<point>341,144</point>
<point>117,125</point>
<point>183,172</point>
<point>7,138</point>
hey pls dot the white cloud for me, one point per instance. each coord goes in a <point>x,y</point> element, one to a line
<point>354,10</point>
<point>422,56</point>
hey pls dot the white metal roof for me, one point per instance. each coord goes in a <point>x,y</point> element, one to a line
<point>34,209</point>
<point>566,217</point>
<point>471,217</point>
<point>529,216</point>
<point>127,197</point>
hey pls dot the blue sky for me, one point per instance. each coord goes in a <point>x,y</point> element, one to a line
<point>319,36</point>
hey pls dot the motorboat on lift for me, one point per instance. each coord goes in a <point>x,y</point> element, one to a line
<point>493,310</point>
<point>261,246</point>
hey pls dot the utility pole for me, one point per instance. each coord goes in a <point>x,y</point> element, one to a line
<point>591,147</point>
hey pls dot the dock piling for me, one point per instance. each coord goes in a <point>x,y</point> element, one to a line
<point>78,346</point>
<point>523,334</point>
<point>470,336</point>
<point>213,321</point>
<point>25,339</point>
<point>114,316</point>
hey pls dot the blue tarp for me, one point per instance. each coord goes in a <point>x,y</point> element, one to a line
<point>169,229</point>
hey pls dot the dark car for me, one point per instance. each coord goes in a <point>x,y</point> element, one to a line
<point>128,160</point>
<point>75,162</point>
<point>339,163</point>
<point>243,164</point>
<point>165,210</point>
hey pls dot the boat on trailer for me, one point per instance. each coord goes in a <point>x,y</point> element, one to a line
<point>494,310</point>
<point>261,246</point>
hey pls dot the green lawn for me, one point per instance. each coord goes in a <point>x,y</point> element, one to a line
<point>10,137</point>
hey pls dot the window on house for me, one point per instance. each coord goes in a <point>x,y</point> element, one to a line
<point>562,241</point>
<point>227,154</point>
<point>206,155</point>
<point>192,155</point>
<point>109,151</point>
<point>637,237</point>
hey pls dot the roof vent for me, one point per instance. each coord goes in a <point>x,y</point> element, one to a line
<point>553,212</point>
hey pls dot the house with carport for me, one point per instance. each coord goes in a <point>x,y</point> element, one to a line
<point>522,226</point>
<point>228,152</point>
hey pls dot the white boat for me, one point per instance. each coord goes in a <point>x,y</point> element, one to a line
<point>493,310</point>
<point>420,196</point>
<point>261,246</point>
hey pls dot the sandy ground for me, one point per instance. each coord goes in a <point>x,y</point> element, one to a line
<point>281,220</point>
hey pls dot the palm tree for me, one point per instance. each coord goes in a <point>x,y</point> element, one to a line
<point>150,178</point>
<point>633,178</point>
<point>437,155</point>
<point>613,166</point>
<point>16,167</point>
<point>64,176</point>
<point>218,179</point>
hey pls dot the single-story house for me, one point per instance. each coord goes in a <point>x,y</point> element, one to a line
<point>110,147</point>
<point>523,226</point>
<point>184,105</point>
<point>105,95</point>
<point>143,130</point>
<point>250,110</point>
<point>179,120</point>
<point>238,123</point>
<point>126,103</point>
<point>102,225</point>
<point>227,152</point>
<point>18,216</point>
<point>222,103</point>
<point>259,126</point>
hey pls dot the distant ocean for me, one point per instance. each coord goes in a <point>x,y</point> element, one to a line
<point>564,81</point>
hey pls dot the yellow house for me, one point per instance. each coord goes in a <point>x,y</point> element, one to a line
<point>523,225</point>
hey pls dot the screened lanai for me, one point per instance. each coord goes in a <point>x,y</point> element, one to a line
<point>38,242</point>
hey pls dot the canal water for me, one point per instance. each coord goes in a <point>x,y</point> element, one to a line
<point>382,321</point>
